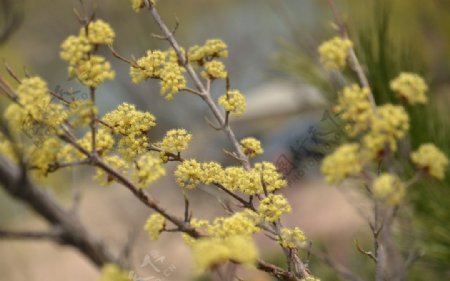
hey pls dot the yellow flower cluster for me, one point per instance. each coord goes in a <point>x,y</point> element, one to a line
<point>104,141</point>
<point>240,223</point>
<point>213,48</point>
<point>163,66</point>
<point>98,32</point>
<point>90,70</point>
<point>410,87</point>
<point>127,120</point>
<point>175,141</point>
<point>212,172</point>
<point>137,5</point>
<point>132,127</point>
<point>172,80</point>
<point>189,174</point>
<point>148,168</point>
<point>431,160</point>
<point>34,106</point>
<point>291,238</point>
<point>150,66</point>
<point>40,158</point>
<point>75,49</point>
<point>237,178</point>
<point>251,147</point>
<point>112,272</point>
<point>133,145</point>
<point>155,225</point>
<point>268,173</point>
<point>343,162</point>
<point>334,52</point>
<point>356,109</point>
<point>214,70</point>
<point>389,188</point>
<point>273,206</point>
<point>211,252</point>
<point>388,125</point>
<point>234,102</point>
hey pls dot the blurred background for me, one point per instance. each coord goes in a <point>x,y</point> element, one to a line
<point>273,60</point>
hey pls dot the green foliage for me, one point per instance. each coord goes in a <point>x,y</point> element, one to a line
<point>385,56</point>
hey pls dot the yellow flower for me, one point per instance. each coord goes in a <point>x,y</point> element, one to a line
<point>104,141</point>
<point>291,238</point>
<point>41,158</point>
<point>155,225</point>
<point>267,172</point>
<point>112,272</point>
<point>212,172</point>
<point>75,49</point>
<point>388,125</point>
<point>93,71</point>
<point>213,48</point>
<point>334,52</point>
<point>251,147</point>
<point>132,127</point>
<point>431,160</point>
<point>211,252</point>
<point>214,70</point>
<point>99,32</point>
<point>172,80</point>
<point>148,169</point>
<point>237,178</point>
<point>33,90</point>
<point>189,174</point>
<point>132,145</point>
<point>233,102</point>
<point>389,188</point>
<point>343,162</point>
<point>175,141</point>
<point>240,223</point>
<point>137,5</point>
<point>356,109</point>
<point>411,87</point>
<point>126,120</point>
<point>36,107</point>
<point>273,206</point>
<point>149,66</point>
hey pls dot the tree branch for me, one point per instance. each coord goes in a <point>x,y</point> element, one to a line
<point>32,235</point>
<point>17,184</point>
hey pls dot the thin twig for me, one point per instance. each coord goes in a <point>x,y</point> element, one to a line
<point>232,194</point>
<point>122,58</point>
<point>367,253</point>
<point>204,91</point>
<point>340,269</point>
<point>12,73</point>
<point>172,33</point>
<point>6,89</point>
<point>354,61</point>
